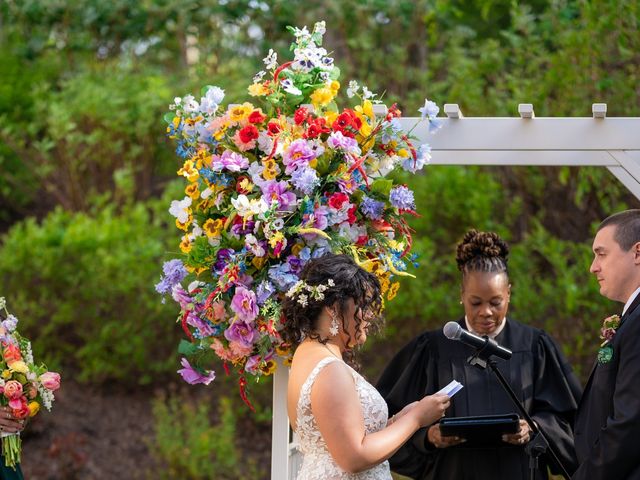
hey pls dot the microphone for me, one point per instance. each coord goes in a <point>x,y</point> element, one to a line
<point>486,345</point>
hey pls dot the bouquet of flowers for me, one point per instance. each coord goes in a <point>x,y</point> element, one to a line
<point>24,386</point>
<point>269,185</point>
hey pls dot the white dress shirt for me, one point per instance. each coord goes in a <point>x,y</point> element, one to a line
<point>630,300</point>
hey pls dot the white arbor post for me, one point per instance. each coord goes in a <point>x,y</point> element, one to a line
<point>596,141</point>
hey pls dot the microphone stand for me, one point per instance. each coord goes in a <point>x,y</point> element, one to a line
<point>538,443</point>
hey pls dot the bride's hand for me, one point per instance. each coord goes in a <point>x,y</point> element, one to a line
<point>431,408</point>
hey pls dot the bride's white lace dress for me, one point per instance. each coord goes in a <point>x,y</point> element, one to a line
<point>317,462</point>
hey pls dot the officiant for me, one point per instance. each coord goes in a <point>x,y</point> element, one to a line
<point>537,372</point>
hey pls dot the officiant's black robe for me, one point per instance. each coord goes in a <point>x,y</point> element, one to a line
<point>537,372</point>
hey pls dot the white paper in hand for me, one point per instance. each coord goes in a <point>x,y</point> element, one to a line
<point>451,389</point>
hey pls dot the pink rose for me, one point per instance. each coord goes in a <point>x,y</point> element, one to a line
<point>50,380</point>
<point>12,389</point>
<point>20,408</point>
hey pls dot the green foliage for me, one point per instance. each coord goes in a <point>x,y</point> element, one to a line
<point>187,445</point>
<point>83,288</point>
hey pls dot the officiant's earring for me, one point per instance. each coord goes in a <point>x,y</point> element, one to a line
<point>333,329</point>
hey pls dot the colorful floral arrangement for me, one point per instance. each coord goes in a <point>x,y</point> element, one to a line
<point>608,330</point>
<point>24,386</point>
<point>271,184</point>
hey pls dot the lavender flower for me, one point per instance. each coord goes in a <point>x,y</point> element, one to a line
<point>299,154</point>
<point>264,290</point>
<point>10,323</point>
<point>430,109</point>
<point>242,333</point>
<point>274,191</point>
<point>423,156</point>
<point>338,141</point>
<point>193,376</point>
<point>305,180</point>
<point>244,304</point>
<point>402,198</point>
<point>174,273</point>
<point>372,208</point>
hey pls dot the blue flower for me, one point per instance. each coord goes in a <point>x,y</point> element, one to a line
<point>305,180</point>
<point>402,198</point>
<point>282,276</point>
<point>423,156</point>
<point>430,109</point>
<point>372,208</point>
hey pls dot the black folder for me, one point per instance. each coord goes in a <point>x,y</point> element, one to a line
<point>483,430</point>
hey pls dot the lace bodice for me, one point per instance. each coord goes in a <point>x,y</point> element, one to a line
<point>318,464</point>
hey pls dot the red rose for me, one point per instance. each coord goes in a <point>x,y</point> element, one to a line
<point>300,115</point>
<point>248,133</point>
<point>273,128</point>
<point>337,200</point>
<point>256,117</point>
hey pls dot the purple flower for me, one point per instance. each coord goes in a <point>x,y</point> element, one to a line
<point>305,179</point>
<point>174,273</point>
<point>252,364</point>
<point>295,264</point>
<point>402,198</point>
<point>242,334</point>
<point>204,327</point>
<point>193,376</point>
<point>10,323</point>
<point>338,141</point>
<point>243,228</point>
<point>299,154</point>
<point>277,191</point>
<point>264,291</point>
<point>181,296</point>
<point>244,304</point>
<point>222,259</point>
<point>232,161</point>
<point>372,208</point>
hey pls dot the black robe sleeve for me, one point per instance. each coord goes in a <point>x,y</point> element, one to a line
<point>556,396</point>
<point>405,380</point>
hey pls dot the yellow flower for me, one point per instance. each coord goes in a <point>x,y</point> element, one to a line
<point>295,249</point>
<point>275,238</point>
<point>393,290</point>
<point>188,171</point>
<point>282,351</point>
<point>220,133</point>
<point>322,96</point>
<point>366,109</point>
<point>240,112</point>
<point>185,244</point>
<point>258,90</point>
<point>335,86</point>
<point>267,368</point>
<point>6,374</point>
<point>18,366</point>
<point>193,121</point>
<point>384,285</point>
<point>245,184</point>
<point>184,226</point>
<point>34,408</point>
<point>287,361</point>
<point>330,117</point>
<point>192,191</point>
<point>270,169</point>
<point>403,152</point>
<point>258,262</point>
<point>213,228</point>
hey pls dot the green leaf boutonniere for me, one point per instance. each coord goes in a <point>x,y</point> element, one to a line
<point>607,332</point>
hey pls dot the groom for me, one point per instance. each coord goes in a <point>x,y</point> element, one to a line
<point>607,430</point>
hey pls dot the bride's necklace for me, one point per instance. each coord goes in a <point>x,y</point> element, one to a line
<point>330,351</point>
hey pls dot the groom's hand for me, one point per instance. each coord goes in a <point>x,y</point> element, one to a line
<point>521,437</point>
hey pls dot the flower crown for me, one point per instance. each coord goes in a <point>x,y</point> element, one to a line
<point>315,292</point>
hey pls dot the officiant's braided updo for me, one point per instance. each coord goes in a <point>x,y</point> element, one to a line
<point>340,279</point>
<point>482,252</point>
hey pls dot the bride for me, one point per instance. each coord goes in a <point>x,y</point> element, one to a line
<point>341,420</point>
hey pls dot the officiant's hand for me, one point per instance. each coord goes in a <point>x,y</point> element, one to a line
<point>521,437</point>
<point>9,423</point>
<point>435,437</point>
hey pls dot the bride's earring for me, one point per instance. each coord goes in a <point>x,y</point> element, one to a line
<point>333,329</point>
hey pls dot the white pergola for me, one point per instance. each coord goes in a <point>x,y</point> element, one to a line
<point>595,141</point>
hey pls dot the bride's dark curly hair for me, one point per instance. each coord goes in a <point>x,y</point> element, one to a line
<point>482,252</point>
<point>350,282</point>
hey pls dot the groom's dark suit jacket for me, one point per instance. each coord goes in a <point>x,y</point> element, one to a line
<point>607,430</point>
